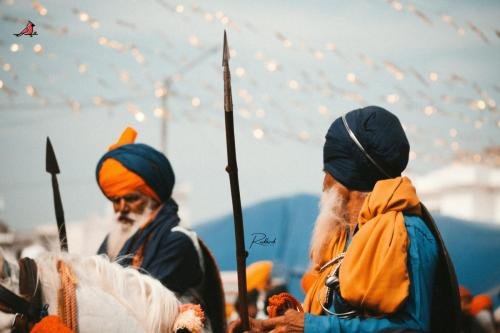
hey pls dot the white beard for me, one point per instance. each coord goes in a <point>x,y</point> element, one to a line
<point>121,232</point>
<point>331,217</point>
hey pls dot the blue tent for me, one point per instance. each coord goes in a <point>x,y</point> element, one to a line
<point>280,230</point>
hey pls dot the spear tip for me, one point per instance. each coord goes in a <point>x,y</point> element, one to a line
<point>225,51</point>
<point>51,165</point>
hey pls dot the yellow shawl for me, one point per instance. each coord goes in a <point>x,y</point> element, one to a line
<point>373,275</point>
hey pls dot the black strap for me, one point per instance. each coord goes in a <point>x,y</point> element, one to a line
<point>29,303</point>
<point>13,303</point>
<point>446,311</point>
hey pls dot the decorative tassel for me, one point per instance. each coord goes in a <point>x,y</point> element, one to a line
<point>67,296</point>
<point>190,319</point>
<point>278,304</point>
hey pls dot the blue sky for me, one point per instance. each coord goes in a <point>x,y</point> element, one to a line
<point>315,47</point>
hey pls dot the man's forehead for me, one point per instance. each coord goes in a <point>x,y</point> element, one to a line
<point>133,194</point>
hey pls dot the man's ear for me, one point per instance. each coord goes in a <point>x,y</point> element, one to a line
<point>154,204</point>
<point>328,181</point>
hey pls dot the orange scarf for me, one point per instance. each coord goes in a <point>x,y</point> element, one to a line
<point>373,275</point>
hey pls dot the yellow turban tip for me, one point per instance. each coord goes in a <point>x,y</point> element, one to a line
<point>128,136</point>
<point>259,274</point>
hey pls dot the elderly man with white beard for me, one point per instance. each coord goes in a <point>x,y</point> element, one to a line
<point>139,180</point>
<point>378,262</point>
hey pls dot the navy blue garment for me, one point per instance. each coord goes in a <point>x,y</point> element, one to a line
<point>148,163</point>
<point>383,138</point>
<point>169,256</point>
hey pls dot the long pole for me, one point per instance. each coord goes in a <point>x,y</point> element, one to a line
<point>232,170</point>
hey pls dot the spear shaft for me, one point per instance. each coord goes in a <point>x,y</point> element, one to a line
<point>232,170</point>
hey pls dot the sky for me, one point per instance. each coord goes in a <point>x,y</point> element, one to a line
<point>96,67</point>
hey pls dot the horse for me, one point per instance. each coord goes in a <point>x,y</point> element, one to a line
<point>9,278</point>
<point>109,297</point>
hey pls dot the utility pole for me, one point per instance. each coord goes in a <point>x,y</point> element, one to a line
<point>165,115</point>
<point>167,89</point>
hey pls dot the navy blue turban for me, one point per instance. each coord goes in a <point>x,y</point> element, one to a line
<point>135,167</point>
<point>383,140</point>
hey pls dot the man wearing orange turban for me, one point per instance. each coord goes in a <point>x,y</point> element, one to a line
<point>378,261</point>
<point>139,180</point>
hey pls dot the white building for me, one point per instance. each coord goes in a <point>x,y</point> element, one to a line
<point>466,191</point>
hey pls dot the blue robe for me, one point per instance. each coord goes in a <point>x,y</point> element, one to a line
<point>169,256</point>
<point>415,314</point>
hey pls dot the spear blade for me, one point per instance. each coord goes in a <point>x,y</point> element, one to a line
<point>225,51</point>
<point>52,167</point>
<point>228,94</point>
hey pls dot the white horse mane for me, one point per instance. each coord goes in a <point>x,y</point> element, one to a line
<point>154,306</point>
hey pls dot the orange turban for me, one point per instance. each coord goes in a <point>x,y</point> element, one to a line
<point>117,181</point>
<point>259,274</point>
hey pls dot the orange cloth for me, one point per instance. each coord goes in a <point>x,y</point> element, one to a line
<point>464,292</point>
<point>318,290</point>
<point>373,275</point>
<point>259,274</point>
<point>307,281</point>
<point>50,324</point>
<point>479,303</point>
<point>127,137</point>
<point>229,310</point>
<point>118,181</point>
